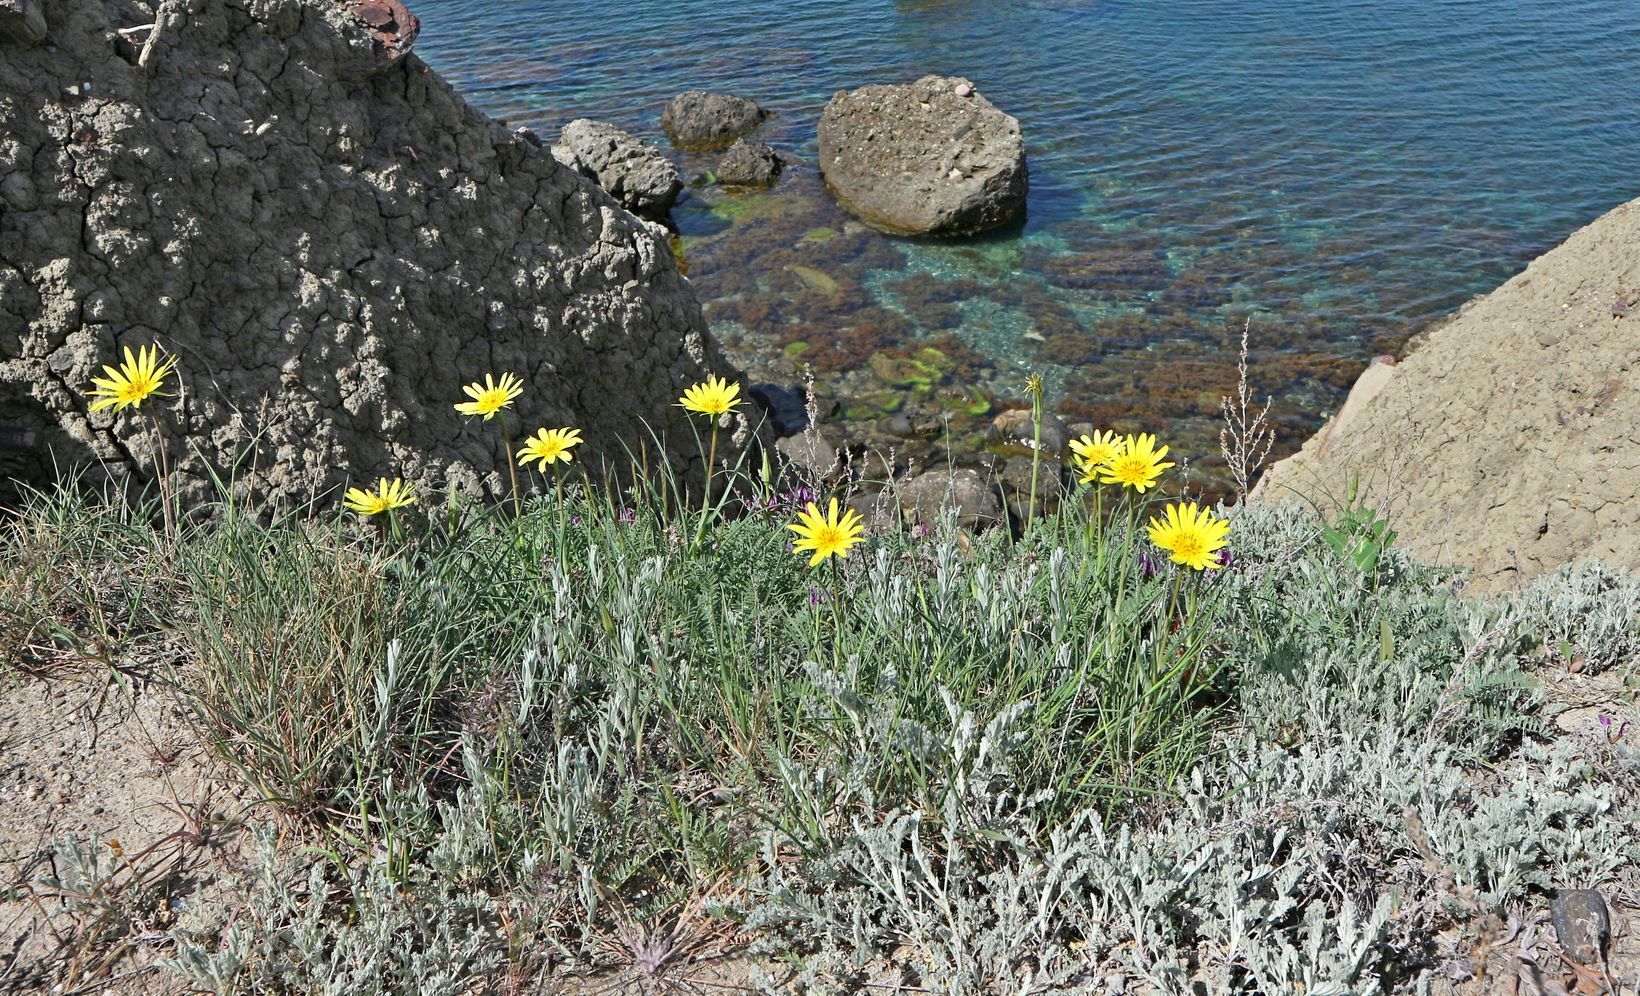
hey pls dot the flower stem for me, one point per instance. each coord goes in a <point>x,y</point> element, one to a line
<point>1036,455</point>
<point>163,465</point>
<point>706,499</point>
<point>558,499</point>
<point>836,616</point>
<point>512,468</point>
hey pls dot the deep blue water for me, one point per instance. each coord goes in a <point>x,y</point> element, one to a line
<point>1339,172</point>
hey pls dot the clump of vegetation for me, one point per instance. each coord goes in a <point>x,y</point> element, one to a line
<point>1131,747</point>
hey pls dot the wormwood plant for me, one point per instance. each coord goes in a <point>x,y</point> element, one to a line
<point>616,728</point>
<point>1004,765</point>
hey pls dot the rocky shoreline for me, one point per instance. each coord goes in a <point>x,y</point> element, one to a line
<point>350,259</point>
<point>1504,440</point>
<point>330,241</point>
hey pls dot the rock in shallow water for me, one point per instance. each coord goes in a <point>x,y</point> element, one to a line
<point>749,164</point>
<point>643,180</point>
<point>810,452</point>
<point>703,121</point>
<point>1013,428</point>
<point>787,409</point>
<point>918,159</point>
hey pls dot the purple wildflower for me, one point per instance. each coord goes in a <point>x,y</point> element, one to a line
<point>627,516</point>
<point>1150,565</point>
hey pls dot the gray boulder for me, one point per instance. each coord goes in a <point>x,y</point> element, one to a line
<point>923,497</point>
<point>927,158</point>
<point>749,164</point>
<point>811,453</point>
<point>705,122</point>
<point>329,260</point>
<point>643,180</point>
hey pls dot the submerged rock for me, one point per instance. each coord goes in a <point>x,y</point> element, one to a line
<point>749,164</point>
<point>787,409</point>
<point>927,158</point>
<point>702,121</point>
<point>329,260</point>
<point>643,180</point>
<point>1013,429</point>
<point>1115,272</point>
<point>810,452</point>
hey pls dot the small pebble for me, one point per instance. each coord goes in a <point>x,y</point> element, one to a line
<point>1582,924</point>
<point>964,90</point>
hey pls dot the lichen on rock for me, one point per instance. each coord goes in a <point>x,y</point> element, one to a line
<point>328,238</point>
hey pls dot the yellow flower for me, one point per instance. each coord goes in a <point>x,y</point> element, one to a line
<point>1137,464</point>
<point>826,535</point>
<point>490,397</point>
<point>713,397</point>
<point>1033,386</point>
<point>1193,536</point>
<point>138,377</point>
<point>549,446</point>
<point>1093,452</point>
<point>389,494</point>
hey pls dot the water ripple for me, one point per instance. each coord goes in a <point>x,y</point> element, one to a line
<point>1343,172</point>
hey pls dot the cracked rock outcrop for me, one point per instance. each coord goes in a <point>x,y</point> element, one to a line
<point>330,241</point>
<point>926,158</point>
<point>642,179</point>
<point>1507,441</point>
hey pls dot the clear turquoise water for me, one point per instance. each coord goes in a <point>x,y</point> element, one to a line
<point>1341,173</point>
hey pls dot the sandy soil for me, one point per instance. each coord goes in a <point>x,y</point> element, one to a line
<point>112,765</point>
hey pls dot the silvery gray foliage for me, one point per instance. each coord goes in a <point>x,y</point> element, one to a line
<point>1279,872</point>
<point>427,937</point>
<point>1294,858</point>
<point>1589,609</point>
<point>1339,824</point>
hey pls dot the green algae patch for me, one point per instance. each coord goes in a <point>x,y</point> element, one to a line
<point>966,401</point>
<point>902,371</point>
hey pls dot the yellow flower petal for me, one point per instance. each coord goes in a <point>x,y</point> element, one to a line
<point>132,382</point>
<point>713,396</point>
<point>490,397</point>
<point>826,535</point>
